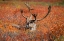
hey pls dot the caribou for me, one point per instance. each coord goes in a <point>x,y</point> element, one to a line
<point>31,23</point>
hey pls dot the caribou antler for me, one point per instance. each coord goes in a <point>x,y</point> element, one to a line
<point>49,9</point>
<point>35,15</point>
<point>22,13</point>
<point>30,23</point>
<point>28,6</point>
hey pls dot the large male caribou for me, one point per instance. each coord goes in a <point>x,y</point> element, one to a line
<point>31,23</point>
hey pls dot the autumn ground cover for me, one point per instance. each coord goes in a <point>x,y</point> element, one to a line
<point>49,29</point>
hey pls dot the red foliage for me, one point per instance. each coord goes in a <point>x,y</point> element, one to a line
<point>52,26</point>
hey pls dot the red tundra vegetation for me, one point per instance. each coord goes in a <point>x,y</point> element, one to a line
<point>47,29</point>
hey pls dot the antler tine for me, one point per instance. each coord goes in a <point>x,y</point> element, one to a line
<point>22,14</point>
<point>28,6</point>
<point>49,9</point>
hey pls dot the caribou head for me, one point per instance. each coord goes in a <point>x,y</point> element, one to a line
<point>31,23</point>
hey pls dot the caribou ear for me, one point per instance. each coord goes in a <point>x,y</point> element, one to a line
<point>21,11</point>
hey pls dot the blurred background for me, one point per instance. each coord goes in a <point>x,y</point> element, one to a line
<point>49,29</point>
